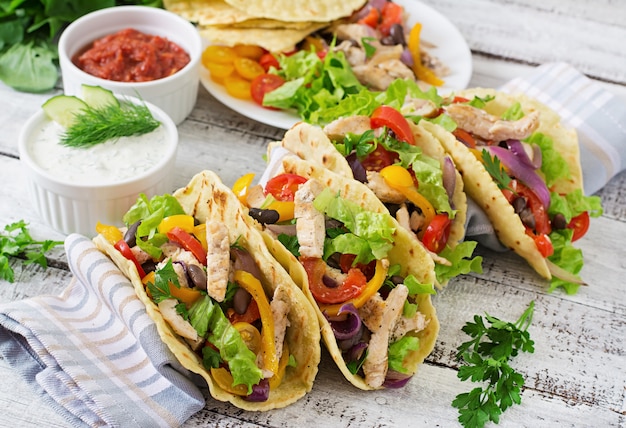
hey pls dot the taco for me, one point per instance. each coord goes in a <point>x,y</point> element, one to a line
<point>407,170</point>
<point>522,167</point>
<point>223,305</point>
<point>368,280</point>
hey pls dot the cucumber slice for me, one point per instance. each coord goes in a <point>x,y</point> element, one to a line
<point>97,96</point>
<point>63,108</point>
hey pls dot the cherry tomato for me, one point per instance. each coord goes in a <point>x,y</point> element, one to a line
<point>249,51</point>
<point>378,159</point>
<point>346,261</point>
<point>250,315</point>
<point>237,87</point>
<point>263,84</point>
<point>284,186</point>
<point>393,119</point>
<point>437,232</point>
<point>220,70</point>
<point>371,19</point>
<point>391,14</point>
<point>465,137</point>
<point>351,287</point>
<point>221,54</point>
<point>188,242</point>
<point>267,61</point>
<point>580,225</point>
<point>250,335</point>
<point>123,248</point>
<point>542,221</point>
<point>543,243</point>
<point>247,68</point>
<point>458,99</point>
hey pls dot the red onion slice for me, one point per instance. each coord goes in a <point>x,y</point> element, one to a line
<point>282,229</point>
<point>522,172</point>
<point>517,148</point>
<point>396,379</point>
<point>449,176</point>
<point>260,391</point>
<point>348,326</point>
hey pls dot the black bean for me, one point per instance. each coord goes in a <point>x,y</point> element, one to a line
<point>329,282</point>
<point>131,234</point>
<point>264,216</point>
<point>397,279</point>
<point>527,217</point>
<point>559,222</point>
<point>388,41</point>
<point>519,204</point>
<point>397,33</point>
<point>241,300</point>
<point>149,266</point>
<point>197,276</point>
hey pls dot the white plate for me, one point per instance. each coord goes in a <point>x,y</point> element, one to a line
<point>449,46</point>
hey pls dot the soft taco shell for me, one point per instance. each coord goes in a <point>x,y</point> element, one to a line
<point>298,10</point>
<point>207,197</point>
<point>405,252</point>
<point>484,191</point>
<point>312,144</point>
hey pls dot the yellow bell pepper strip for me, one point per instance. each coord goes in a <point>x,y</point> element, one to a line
<point>285,209</point>
<point>199,232</point>
<point>241,186</point>
<point>253,286</point>
<point>422,72</point>
<point>282,366</point>
<point>186,295</point>
<point>184,221</point>
<point>224,380</point>
<point>400,179</point>
<point>373,285</point>
<point>111,233</point>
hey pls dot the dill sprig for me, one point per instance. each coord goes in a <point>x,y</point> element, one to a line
<point>95,125</point>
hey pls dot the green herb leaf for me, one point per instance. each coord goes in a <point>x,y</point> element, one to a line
<point>110,122</point>
<point>496,170</point>
<point>486,356</point>
<point>15,241</point>
<point>160,289</point>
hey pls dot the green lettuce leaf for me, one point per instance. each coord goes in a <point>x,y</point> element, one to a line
<point>399,350</point>
<point>553,166</point>
<point>461,262</point>
<point>567,257</point>
<point>575,203</point>
<point>209,321</point>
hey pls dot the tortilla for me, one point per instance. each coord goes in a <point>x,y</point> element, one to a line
<point>298,10</point>
<point>480,186</point>
<point>311,143</point>
<point>271,39</point>
<point>406,252</point>
<point>207,197</point>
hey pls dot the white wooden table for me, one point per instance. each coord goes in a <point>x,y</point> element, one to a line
<point>577,375</point>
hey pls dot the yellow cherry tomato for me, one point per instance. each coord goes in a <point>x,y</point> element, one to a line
<point>221,54</point>
<point>220,70</point>
<point>237,87</point>
<point>248,68</point>
<point>249,51</point>
<point>110,233</point>
<point>250,335</point>
<point>224,380</point>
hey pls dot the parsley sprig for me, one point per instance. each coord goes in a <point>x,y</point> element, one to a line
<point>496,170</point>
<point>15,241</point>
<point>487,357</point>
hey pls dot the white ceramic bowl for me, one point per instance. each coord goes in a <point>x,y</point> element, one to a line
<point>75,206</point>
<point>175,94</point>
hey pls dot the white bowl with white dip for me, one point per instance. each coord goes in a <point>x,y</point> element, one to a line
<point>74,188</point>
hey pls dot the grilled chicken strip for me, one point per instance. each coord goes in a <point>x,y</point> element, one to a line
<point>310,228</point>
<point>218,259</point>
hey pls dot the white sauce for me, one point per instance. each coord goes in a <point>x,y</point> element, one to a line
<point>105,163</point>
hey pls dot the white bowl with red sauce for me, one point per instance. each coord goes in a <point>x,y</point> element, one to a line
<point>175,94</point>
<point>72,189</point>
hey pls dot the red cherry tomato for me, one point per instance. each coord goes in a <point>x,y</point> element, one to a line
<point>465,137</point>
<point>543,243</point>
<point>378,159</point>
<point>346,261</point>
<point>437,233</point>
<point>580,225</point>
<point>351,287</point>
<point>391,13</point>
<point>263,84</point>
<point>393,119</point>
<point>371,19</point>
<point>123,248</point>
<point>267,61</point>
<point>188,242</point>
<point>542,221</point>
<point>250,315</point>
<point>284,186</point>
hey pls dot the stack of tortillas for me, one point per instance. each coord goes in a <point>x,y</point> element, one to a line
<point>275,25</point>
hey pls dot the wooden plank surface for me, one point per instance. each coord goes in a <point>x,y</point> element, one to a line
<point>577,375</point>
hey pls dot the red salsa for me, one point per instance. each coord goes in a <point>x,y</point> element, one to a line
<point>131,56</point>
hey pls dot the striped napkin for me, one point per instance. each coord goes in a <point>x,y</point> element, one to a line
<point>93,353</point>
<point>598,116</point>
